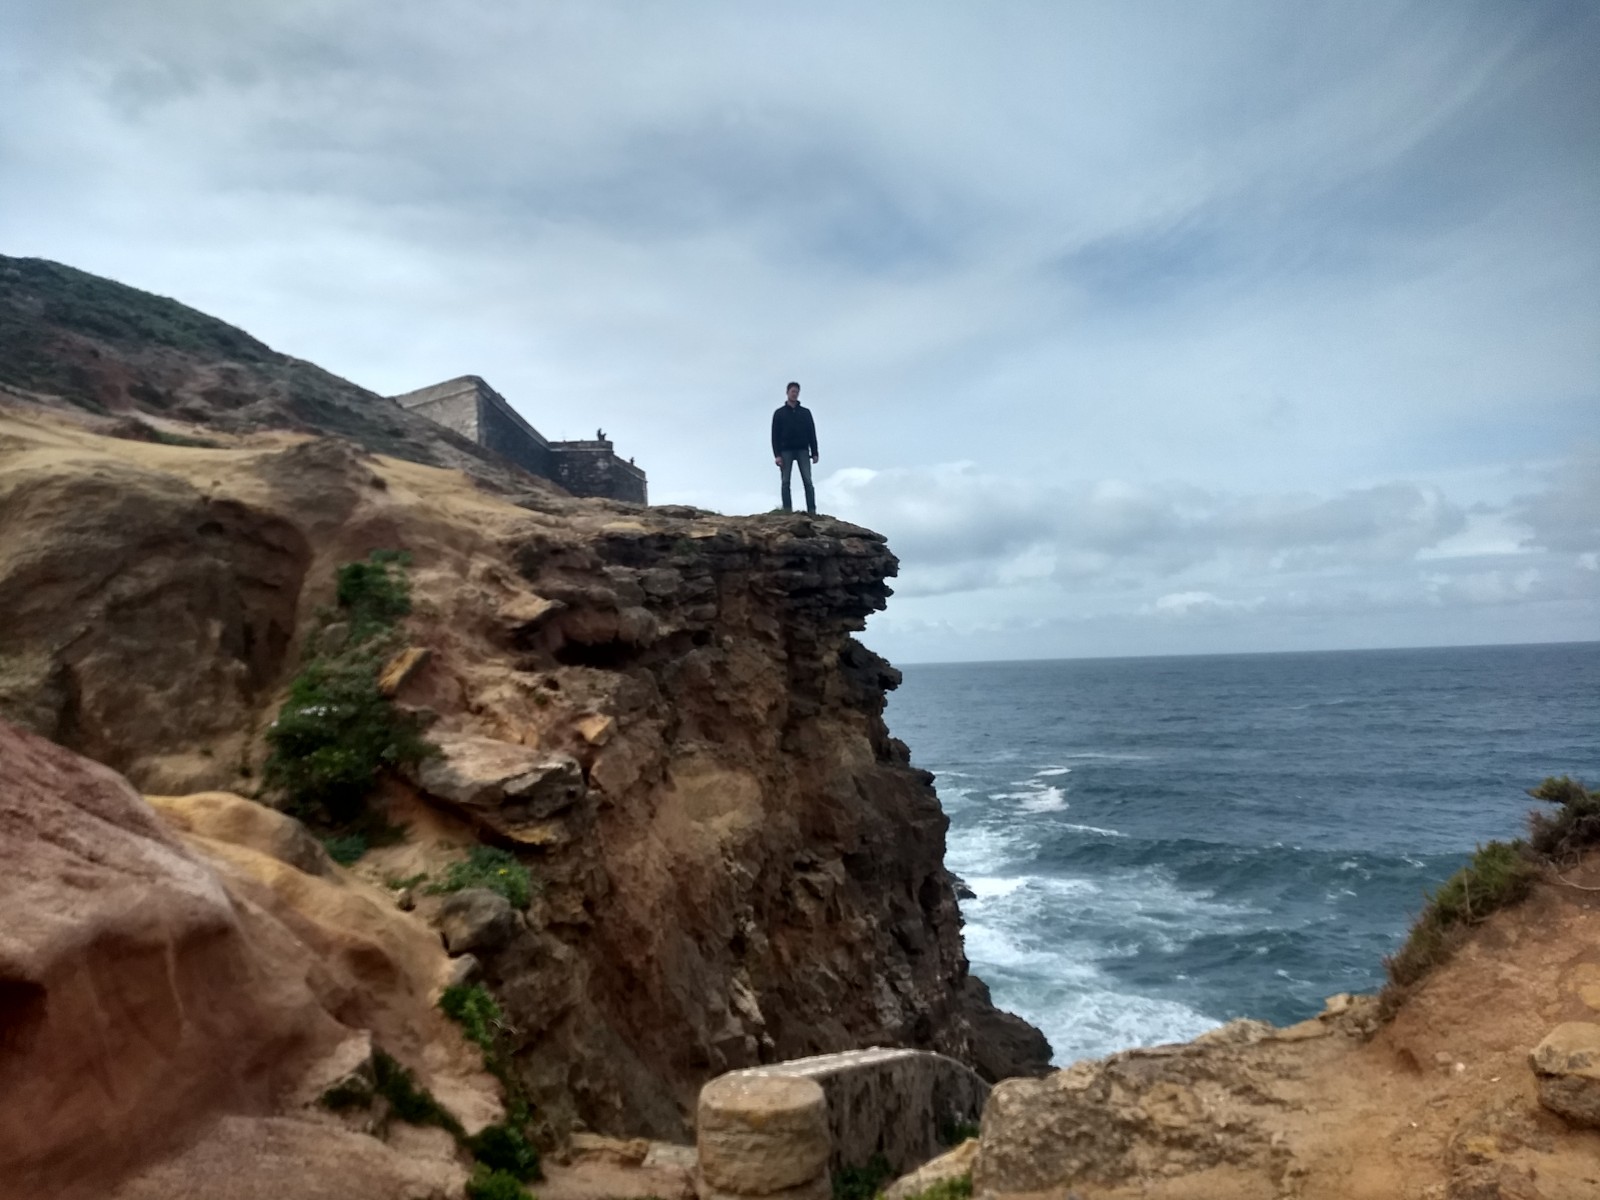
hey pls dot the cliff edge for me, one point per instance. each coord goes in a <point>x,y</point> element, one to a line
<point>741,865</point>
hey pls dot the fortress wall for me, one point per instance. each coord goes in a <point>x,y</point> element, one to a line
<point>453,404</point>
<point>470,407</point>
<point>502,430</point>
<point>591,469</point>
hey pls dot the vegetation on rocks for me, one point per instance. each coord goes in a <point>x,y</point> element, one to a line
<point>1562,837</point>
<point>487,1184</point>
<point>492,868</point>
<point>959,1188</point>
<point>337,732</point>
<point>407,1099</point>
<point>500,1150</point>
<point>476,1011</point>
<point>863,1182</point>
<point>1499,874</point>
<point>502,1147</point>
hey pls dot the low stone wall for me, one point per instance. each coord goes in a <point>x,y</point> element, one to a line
<point>886,1101</point>
<point>592,469</point>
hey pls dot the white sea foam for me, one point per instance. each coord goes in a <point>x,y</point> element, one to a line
<point>1051,772</point>
<point>1048,799</point>
<point>985,887</point>
<point>1059,987</point>
<point>1095,829</point>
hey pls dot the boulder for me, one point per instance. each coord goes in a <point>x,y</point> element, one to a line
<point>1567,1065</point>
<point>124,961</point>
<point>761,1135</point>
<point>476,919</point>
<point>226,817</point>
<point>509,788</point>
<point>951,1165</point>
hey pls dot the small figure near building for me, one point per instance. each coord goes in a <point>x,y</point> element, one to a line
<point>794,440</point>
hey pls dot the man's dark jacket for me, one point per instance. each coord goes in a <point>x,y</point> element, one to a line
<point>793,429</point>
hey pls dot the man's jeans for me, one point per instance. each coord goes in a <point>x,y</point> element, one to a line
<point>790,458</point>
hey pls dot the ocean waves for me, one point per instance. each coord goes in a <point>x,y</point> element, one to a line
<point>1156,846</point>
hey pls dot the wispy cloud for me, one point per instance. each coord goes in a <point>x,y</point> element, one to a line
<point>1208,299</point>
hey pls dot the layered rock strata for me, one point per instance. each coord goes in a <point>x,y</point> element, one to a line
<point>662,713</point>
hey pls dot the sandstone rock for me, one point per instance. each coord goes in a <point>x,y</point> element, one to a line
<point>596,728</point>
<point>762,1135</point>
<point>399,669</point>
<point>525,611</point>
<point>124,960</point>
<point>1567,1064</point>
<point>629,1152</point>
<point>229,818</point>
<point>948,1166</point>
<point>506,786</point>
<point>476,919</point>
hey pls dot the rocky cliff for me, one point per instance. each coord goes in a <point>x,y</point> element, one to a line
<point>662,713</point>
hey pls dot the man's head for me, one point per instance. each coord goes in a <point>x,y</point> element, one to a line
<point>793,391</point>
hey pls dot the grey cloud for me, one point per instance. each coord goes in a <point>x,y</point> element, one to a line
<point>960,529</point>
<point>1565,516</point>
<point>1275,253</point>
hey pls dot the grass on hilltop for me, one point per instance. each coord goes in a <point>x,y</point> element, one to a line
<point>1499,875</point>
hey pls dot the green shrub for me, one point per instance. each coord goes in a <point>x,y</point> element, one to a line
<point>1574,828</point>
<point>492,868</point>
<point>488,1184</point>
<point>504,1148</point>
<point>374,595</point>
<point>337,732</point>
<point>412,1103</point>
<point>341,1097</point>
<point>862,1183</point>
<point>346,848</point>
<point>953,1133</point>
<point>1499,874</point>
<point>959,1188</point>
<point>475,1010</point>
<point>408,1100</point>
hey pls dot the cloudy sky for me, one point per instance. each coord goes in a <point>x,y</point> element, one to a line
<point>1139,327</point>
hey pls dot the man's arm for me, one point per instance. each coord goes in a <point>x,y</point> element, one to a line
<point>811,429</point>
<point>777,455</point>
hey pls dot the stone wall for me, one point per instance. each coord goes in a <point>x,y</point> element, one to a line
<point>886,1101</point>
<point>472,408</point>
<point>591,469</point>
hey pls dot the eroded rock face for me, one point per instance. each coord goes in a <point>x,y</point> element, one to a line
<point>662,712</point>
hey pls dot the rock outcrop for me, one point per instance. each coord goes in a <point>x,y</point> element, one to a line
<point>1440,1103</point>
<point>171,1008</point>
<point>1567,1065</point>
<point>662,712</point>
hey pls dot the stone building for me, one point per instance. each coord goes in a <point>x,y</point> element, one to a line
<point>472,408</point>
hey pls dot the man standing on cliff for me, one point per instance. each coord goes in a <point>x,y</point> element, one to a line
<point>794,440</point>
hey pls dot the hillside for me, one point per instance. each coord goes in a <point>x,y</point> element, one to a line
<point>75,339</point>
<point>1439,1103</point>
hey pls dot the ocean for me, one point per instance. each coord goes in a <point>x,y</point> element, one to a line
<point>1158,845</point>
